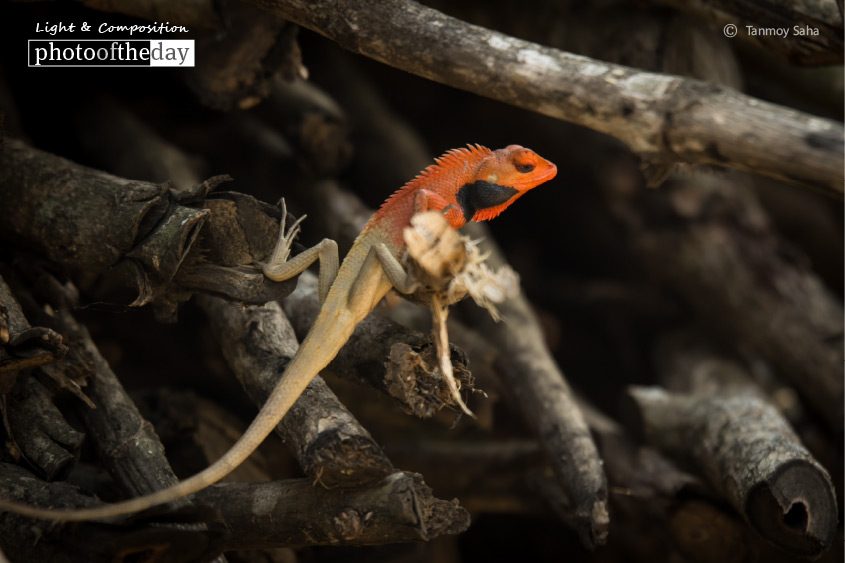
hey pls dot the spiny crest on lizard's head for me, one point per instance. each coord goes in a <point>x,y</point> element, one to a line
<point>501,177</point>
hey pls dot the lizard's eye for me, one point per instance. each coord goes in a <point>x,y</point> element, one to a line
<point>524,168</point>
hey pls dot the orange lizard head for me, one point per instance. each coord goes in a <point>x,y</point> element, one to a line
<point>502,177</point>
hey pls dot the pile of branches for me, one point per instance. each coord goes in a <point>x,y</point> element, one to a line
<point>684,271</point>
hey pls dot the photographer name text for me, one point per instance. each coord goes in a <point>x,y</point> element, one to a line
<point>796,30</point>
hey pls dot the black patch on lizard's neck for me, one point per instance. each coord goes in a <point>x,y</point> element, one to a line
<point>482,195</point>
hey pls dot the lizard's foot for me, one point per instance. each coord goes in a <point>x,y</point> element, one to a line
<point>281,253</point>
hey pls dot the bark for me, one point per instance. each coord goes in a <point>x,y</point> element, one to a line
<point>652,492</point>
<point>90,221</point>
<point>31,540</point>
<point>240,233</point>
<point>126,443</point>
<point>663,119</point>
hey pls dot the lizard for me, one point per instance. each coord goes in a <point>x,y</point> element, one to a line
<point>465,184</point>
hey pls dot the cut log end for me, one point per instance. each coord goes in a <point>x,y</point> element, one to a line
<point>795,509</point>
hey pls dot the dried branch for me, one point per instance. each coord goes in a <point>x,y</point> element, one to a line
<point>290,513</point>
<point>240,232</point>
<point>127,443</point>
<point>90,221</point>
<point>22,346</point>
<point>39,431</point>
<point>724,425</point>
<point>329,444</point>
<point>663,119</point>
<point>547,402</point>
<point>144,233</point>
<point>294,513</point>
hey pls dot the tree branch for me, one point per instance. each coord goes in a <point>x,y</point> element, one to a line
<point>664,119</point>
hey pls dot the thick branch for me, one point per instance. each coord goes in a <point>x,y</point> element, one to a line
<point>294,513</point>
<point>127,443</point>
<point>89,221</point>
<point>547,402</point>
<point>664,119</point>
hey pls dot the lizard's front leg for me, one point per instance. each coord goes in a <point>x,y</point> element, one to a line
<point>279,268</point>
<point>427,200</point>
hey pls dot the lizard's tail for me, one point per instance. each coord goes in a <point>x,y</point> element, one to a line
<point>314,354</point>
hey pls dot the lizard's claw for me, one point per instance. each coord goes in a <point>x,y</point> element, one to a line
<point>286,236</point>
